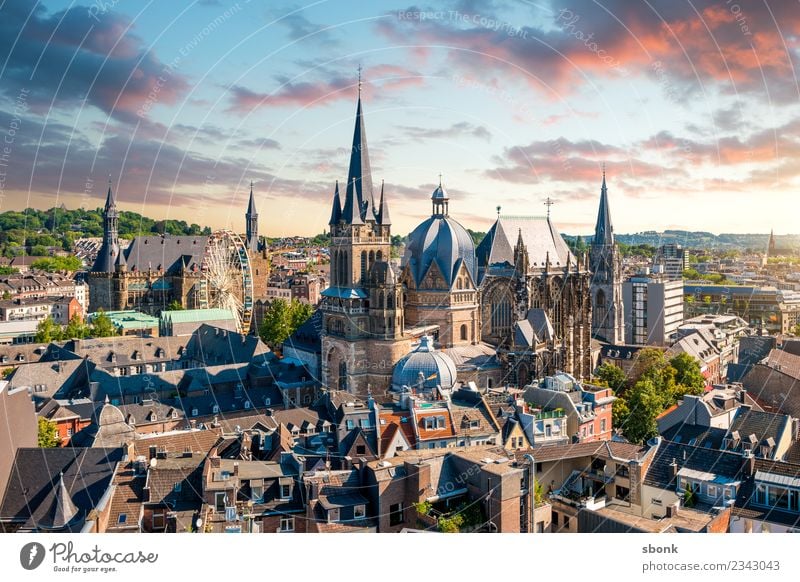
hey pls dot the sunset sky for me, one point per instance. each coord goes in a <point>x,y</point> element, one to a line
<point>693,108</point>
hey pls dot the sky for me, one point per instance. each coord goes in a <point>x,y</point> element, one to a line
<point>691,107</point>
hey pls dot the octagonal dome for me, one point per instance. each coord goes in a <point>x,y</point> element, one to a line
<point>424,369</point>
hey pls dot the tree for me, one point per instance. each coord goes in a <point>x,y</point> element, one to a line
<point>652,364</point>
<point>48,433</point>
<point>619,413</point>
<point>8,270</point>
<point>47,331</point>
<point>612,376</point>
<point>102,326</point>
<point>76,328</point>
<point>276,325</point>
<point>645,404</point>
<point>687,374</point>
<point>299,312</point>
<point>174,305</point>
<point>53,264</point>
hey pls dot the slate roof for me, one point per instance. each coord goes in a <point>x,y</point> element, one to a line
<point>442,241</point>
<point>168,253</point>
<point>784,362</point>
<point>57,377</point>
<point>127,499</point>
<point>32,485</point>
<point>745,505</point>
<point>708,460</point>
<point>541,239</point>
<point>534,329</point>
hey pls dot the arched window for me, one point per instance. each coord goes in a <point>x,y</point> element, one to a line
<point>600,309</point>
<point>501,313</point>
<point>390,301</point>
<point>363,267</point>
<point>342,375</point>
<point>379,256</point>
<point>464,332</point>
<point>382,300</point>
<point>460,284</point>
<point>371,258</point>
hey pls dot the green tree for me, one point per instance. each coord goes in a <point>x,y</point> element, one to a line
<point>450,524</point>
<point>76,328</point>
<point>102,326</point>
<point>619,413</point>
<point>53,264</point>
<point>645,404</point>
<point>48,433</point>
<point>174,305</point>
<point>612,376</point>
<point>688,374</point>
<point>8,270</point>
<point>299,312</point>
<point>47,331</point>
<point>276,325</point>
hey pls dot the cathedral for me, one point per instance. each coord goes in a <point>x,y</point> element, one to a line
<point>156,270</point>
<point>516,308</point>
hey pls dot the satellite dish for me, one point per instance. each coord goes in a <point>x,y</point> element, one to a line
<point>153,463</point>
<point>199,523</point>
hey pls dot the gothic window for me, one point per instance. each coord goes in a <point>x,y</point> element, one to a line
<point>371,258</point>
<point>363,267</point>
<point>501,313</point>
<point>600,308</point>
<point>382,300</point>
<point>379,256</point>
<point>342,375</point>
<point>390,301</point>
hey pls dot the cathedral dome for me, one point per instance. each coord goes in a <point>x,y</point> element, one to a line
<point>424,369</point>
<point>442,240</point>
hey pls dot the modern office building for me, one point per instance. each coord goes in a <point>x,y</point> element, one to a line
<point>653,309</point>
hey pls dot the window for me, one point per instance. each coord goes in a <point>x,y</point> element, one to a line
<point>122,519</point>
<point>158,521</point>
<point>728,493</point>
<point>361,450</point>
<point>364,423</point>
<point>548,431</point>
<point>566,521</point>
<point>711,490</point>
<point>257,493</point>
<point>219,502</point>
<point>287,524</point>
<point>474,423</point>
<point>359,511</point>
<point>602,425</point>
<point>286,491</point>
<point>396,514</point>
<point>464,332</point>
<point>215,409</point>
<point>69,432</point>
<point>333,515</point>
<point>350,424</point>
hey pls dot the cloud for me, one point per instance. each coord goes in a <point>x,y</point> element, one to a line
<point>336,87</point>
<point>71,56</point>
<point>460,129</point>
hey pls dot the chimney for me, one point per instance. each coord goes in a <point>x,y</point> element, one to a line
<point>674,467</point>
<point>236,469</point>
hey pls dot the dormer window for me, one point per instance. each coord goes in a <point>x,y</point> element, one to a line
<point>286,491</point>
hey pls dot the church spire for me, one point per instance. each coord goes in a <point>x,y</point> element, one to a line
<point>604,231</point>
<point>383,212</point>
<point>359,176</point>
<point>336,210</point>
<point>251,222</point>
<point>771,244</point>
<point>108,254</point>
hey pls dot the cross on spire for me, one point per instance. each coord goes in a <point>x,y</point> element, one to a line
<point>549,202</point>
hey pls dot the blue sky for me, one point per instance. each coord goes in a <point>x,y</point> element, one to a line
<point>692,107</point>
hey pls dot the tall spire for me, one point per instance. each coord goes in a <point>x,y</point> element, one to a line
<point>383,213</point>
<point>359,176</point>
<point>604,231</point>
<point>108,253</point>
<point>336,210</point>
<point>251,222</point>
<point>771,244</point>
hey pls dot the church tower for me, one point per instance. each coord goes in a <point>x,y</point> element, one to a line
<point>362,309</point>
<point>251,223</point>
<point>606,266</point>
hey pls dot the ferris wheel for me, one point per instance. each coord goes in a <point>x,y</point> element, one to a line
<point>227,277</point>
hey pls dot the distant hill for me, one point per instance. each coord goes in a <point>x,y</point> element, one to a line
<point>704,240</point>
<point>39,232</point>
